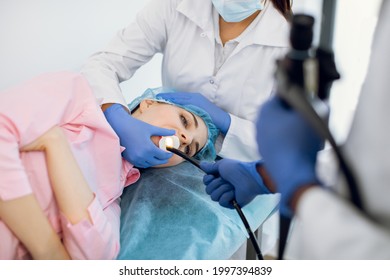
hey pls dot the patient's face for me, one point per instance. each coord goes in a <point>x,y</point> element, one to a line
<point>189,128</point>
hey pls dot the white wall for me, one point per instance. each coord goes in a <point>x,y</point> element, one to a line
<point>354,28</point>
<point>50,35</point>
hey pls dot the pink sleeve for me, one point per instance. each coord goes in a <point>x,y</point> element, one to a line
<point>82,239</point>
<point>24,111</point>
<point>14,182</point>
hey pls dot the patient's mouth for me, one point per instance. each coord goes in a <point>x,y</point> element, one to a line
<point>169,141</point>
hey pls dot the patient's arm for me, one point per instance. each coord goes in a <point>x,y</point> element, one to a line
<point>89,230</point>
<point>27,221</point>
<point>72,192</point>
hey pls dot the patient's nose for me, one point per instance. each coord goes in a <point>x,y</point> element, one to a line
<point>185,137</point>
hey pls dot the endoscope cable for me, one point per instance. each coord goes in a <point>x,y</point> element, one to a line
<point>234,202</point>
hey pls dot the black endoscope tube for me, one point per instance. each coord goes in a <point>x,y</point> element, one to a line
<point>291,79</point>
<point>234,202</point>
<point>301,37</point>
<point>248,229</point>
<point>183,155</point>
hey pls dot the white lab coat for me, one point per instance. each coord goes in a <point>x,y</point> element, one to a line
<point>329,228</point>
<point>183,31</point>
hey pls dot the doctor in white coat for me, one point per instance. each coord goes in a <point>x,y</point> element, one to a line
<point>223,50</point>
<point>327,225</point>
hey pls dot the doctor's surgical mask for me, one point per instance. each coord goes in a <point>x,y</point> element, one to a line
<point>236,10</point>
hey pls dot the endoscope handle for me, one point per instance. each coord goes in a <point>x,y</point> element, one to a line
<point>312,70</point>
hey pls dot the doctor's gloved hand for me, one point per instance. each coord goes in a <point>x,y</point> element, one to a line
<point>220,118</point>
<point>229,179</point>
<point>135,136</point>
<point>289,146</point>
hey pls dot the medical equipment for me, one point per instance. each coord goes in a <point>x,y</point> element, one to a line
<point>236,11</point>
<point>184,156</point>
<point>235,204</point>
<point>171,141</point>
<point>304,78</point>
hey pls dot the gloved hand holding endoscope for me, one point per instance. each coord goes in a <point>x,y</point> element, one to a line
<point>289,146</point>
<point>134,134</point>
<point>229,179</point>
<point>292,126</point>
<point>220,118</point>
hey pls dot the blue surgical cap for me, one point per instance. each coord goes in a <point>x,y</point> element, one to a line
<point>208,151</point>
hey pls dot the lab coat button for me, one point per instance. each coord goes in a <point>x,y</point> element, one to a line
<point>203,34</point>
<point>211,81</point>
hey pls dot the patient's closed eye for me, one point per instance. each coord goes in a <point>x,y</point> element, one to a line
<point>190,124</point>
<point>184,121</point>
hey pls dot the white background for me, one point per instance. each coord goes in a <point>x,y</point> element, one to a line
<point>52,35</point>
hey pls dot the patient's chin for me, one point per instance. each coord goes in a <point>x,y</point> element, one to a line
<point>174,160</point>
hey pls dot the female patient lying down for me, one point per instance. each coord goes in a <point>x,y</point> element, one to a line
<point>61,170</point>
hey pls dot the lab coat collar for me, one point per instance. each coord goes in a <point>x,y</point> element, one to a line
<point>273,30</point>
<point>199,11</point>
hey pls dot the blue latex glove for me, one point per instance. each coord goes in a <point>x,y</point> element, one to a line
<point>229,179</point>
<point>220,118</point>
<point>289,147</point>
<point>135,136</point>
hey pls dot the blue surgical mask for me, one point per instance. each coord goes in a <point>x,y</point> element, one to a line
<point>236,10</point>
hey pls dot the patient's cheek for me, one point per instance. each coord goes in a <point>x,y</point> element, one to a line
<point>174,160</point>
